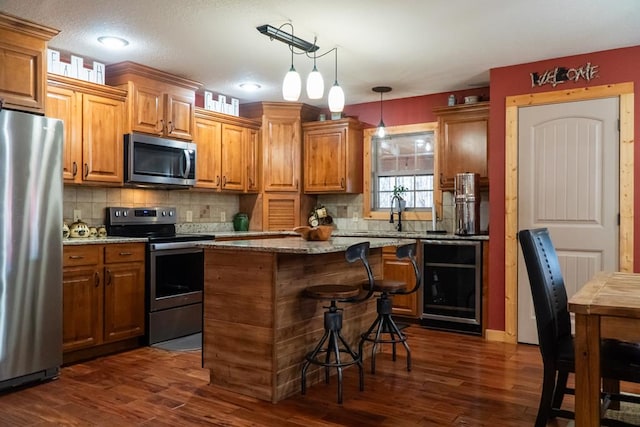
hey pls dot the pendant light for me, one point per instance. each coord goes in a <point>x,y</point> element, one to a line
<point>336,94</point>
<point>315,83</point>
<point>381,132</point>
<point>292,85</point>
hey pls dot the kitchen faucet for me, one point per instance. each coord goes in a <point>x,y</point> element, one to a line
<point>393,200</point>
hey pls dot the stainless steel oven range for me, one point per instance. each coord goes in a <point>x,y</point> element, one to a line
<point>174,270</point>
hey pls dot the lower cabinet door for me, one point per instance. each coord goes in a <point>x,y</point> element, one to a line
<point>82,308</point>
<point>123,301</point>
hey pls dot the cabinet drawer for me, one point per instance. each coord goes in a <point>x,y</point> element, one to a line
<point>81,255</point>
<point>126,252</point>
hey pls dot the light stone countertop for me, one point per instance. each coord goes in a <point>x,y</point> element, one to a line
<point>71,241</point>
<point>300,246</point>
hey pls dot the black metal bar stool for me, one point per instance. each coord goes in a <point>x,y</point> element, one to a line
<point>329,356</point>
<point>384,329</point>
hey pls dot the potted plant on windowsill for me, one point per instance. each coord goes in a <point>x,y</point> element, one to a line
<point>398,193</point>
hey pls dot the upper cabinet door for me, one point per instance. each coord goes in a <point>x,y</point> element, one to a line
<point>180,113</point>
<point>148,109</point>
<point>23,65</point>
<point>333,156</point>
<point>66,105</point>
<point>282,154</point>
<point>233,157</point>
<point>102,132</point>
<point>462,142</point>
<point>208,139</point>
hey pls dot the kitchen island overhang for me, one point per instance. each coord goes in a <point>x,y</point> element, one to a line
<point>258,326</point>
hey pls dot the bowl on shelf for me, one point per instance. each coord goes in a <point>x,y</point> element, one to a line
<point>321,232</point>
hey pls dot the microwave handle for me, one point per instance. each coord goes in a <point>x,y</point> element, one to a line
<point>187,168</point>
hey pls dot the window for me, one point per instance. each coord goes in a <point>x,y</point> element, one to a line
<point>405,157</point>
<point>403,160</point>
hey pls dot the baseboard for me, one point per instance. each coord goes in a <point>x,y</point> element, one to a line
<point>494,335</point>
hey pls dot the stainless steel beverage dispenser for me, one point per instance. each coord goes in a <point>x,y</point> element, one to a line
<point>467,197</point>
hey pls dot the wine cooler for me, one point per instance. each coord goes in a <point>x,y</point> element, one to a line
<point>452,285</point>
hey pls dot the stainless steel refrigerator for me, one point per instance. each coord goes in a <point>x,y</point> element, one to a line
<point>30,248</point>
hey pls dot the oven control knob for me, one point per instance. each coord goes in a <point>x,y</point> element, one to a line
<point>170,213</point>
<point>116,214</point>
<point>164,213</point>
<point>124,213</point>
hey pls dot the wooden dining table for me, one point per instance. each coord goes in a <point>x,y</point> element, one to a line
<point>607,306</point>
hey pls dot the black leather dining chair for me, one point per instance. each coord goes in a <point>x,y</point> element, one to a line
<point>619,360</point>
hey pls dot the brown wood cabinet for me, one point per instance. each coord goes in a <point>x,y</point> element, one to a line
<point>103,297</point>
<point>23,63</point>
<point>226,152</point>
<point>93,118</point>
<point>159,103</point>
<point>402,271</point>
<point>463,135</point>
<point>280,205</point>
<point>332,156</point>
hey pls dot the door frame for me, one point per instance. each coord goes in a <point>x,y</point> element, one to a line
<point>625,93</point>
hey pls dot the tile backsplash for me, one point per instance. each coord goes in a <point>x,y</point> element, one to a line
<point>206,208</point>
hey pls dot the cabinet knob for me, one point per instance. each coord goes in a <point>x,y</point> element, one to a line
<point>108,281</point>
<point>171,127</point>
<point>217,180</point>
<point>76,257</point>
<point>96,279</point>
<point>342,183</point>
<point>162,127</point>
<point>86,170</point>
<point>74,169</point>
<point>126,253</point>
<point>224,181</point>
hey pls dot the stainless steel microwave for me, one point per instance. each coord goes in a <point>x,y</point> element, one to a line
<point>159,162</point>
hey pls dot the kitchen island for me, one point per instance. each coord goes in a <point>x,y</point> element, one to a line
<point>258,326</point>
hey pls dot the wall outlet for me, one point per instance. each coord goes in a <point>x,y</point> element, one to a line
<point>355,217</point>
<point>223,216</point>
<point>189,216</point>
<point>77,214</point>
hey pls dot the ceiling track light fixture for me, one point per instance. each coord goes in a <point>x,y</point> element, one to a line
<point>292,85</point>
<point>381,132</point>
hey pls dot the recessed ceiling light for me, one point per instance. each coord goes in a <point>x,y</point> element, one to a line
<point>250,86</point>
<point>113,42</point>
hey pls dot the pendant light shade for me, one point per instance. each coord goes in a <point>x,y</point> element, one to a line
<point>336,94</point>
<point>315,83</point>
<point>381,131</point>
<point>336,98</point>
<point>292,85</point>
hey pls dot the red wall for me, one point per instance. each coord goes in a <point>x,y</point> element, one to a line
<point>405,111</point>
<point>615,66</point>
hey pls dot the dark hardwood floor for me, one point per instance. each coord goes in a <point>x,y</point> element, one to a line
<point>457,380</point>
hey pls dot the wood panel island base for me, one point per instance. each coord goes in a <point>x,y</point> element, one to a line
<point>258,326</point>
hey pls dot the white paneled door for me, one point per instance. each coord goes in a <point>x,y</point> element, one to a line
<point>568,179</point>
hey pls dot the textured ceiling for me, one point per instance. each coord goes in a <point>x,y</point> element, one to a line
<point>417,47</point>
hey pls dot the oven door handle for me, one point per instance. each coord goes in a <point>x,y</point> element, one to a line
<point>174,247</point>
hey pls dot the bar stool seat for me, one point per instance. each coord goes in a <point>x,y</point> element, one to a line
<point>332,346</point>
<point>384,329</point>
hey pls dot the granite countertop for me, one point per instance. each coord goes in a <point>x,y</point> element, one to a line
<point>102,241</point>
<point>300,246</point>
<point>422,235</point>
<point>249,234</point>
